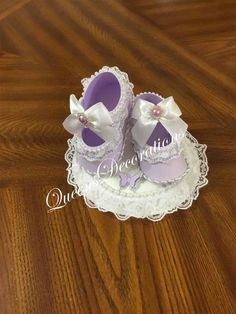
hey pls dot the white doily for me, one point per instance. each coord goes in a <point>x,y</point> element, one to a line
<point>148,200</point>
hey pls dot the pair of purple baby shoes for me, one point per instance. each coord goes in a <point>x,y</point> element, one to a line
<point>107,111</point>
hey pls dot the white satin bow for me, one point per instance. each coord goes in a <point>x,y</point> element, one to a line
<point>97,118</point>
<point>147,121</point>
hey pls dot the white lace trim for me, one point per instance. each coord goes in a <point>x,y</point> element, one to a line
<point>142,93</point>
<point>124,140</point>
<point>149,200</point>
<point>161,154</point>
<point>101,151</point>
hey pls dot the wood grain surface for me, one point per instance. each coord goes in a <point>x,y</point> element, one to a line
<point>78,260</point>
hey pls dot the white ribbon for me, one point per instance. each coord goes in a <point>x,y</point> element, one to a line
<point>98,119</point>
<point>146,121</point>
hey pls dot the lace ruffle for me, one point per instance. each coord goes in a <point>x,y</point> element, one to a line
<point>161,154</point>
<point>149,200</point>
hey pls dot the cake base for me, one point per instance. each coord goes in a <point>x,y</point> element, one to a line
<point>148,200</point>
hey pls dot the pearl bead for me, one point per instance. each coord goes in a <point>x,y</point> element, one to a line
<point>83,119</point>
<point>156,112</point>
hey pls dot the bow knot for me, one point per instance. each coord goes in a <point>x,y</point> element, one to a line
<point>148,115</point>
<point>97,118</point>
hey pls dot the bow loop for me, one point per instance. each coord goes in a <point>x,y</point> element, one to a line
<point>75,106</point>
<point>170,110</point>
<point>97,118</point>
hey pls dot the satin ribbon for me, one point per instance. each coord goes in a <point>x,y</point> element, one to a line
<point>98,119</point>
<point>146,121</point>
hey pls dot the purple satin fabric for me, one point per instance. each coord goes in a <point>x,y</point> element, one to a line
<point>104,88</point>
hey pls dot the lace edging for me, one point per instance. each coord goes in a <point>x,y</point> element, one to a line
<point>202,181</point>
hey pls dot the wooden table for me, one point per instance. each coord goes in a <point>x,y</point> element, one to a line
<point>78,260</point>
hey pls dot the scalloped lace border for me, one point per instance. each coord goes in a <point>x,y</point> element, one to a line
<point>201,182</point>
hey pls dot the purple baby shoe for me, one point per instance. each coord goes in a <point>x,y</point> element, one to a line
<point>98,118</point>
<point>157,134</point>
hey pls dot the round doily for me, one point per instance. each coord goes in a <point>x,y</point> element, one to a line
<point>148,200</point>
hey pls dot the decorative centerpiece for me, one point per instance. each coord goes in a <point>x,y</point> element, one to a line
<point>132,156</point>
